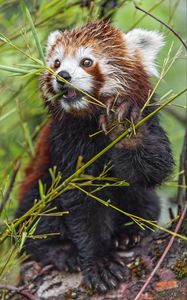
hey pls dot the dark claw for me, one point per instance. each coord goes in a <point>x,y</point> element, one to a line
<point>128,240</point>
<point>136,239</point>
<point>78,269</point>
<point>135,114</point>
<point>120,276</point>
<point>113,283</point>
<point>102,288</point>
<point>109,104</point>
<point>103,123</point>
<point>116,243</point>
<point>104,128</point>
<point>122,111</point>
<point>119,261</point>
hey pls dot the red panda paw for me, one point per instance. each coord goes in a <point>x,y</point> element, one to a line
<point>121,114</point>
<point>105,273</point>
<point>124,115</point>
<point>63,257</point>
<point>127,111</point>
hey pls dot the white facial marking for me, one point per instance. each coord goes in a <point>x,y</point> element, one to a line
<point>79,104</point>
<point>79,77</point>
<point>148,43</point>
<point>83,52</point>
<point>71,64</point>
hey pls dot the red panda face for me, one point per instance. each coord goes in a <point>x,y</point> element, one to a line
<point>98,60</point>
<point>78,66</point>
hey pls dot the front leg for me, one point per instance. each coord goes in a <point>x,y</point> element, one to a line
<point>144,157</point>
<point>53,247</point>
<point>140,202</point>
<point>91,227</point>
<point>61,253</point>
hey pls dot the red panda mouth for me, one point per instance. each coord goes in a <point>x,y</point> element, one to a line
<point>71,98</point>
<point>70,94</point>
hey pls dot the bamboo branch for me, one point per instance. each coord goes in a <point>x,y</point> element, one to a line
<point>182,179</point>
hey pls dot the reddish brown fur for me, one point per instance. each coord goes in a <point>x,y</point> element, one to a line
<point>97,75</point>
<point>140,86</point>
<point>93,35</point>
<point>108,41</point>
<point>40,164</point>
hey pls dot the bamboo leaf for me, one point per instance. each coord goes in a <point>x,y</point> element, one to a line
<point>7,114</point>
<point>28,137</point>
<point>23,239</point>
<point>35,35</point>
<point>14,70</point>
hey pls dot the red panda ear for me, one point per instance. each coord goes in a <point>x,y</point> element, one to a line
<point>148,43</point>
<point>52,39</point>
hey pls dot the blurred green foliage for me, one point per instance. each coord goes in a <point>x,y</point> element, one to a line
<point>21,106</point>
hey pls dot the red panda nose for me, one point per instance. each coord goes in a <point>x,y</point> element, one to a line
<point>65,75</point>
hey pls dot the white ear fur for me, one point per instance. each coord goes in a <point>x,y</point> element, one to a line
<point>148,43</point>
<point>52,38</point>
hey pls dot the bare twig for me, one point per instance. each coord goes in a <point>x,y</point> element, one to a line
<point>183,214</point>
<point>141,19</point>
<point>182,192</point>
<point>182,179</point>
<point>18,290</point>
<point>10,187</point>
<point>163,23</point>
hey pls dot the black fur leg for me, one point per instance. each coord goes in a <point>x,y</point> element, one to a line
<point>91,227</point>
<point>65,258</point>
<point>57,250</point>
<point>138,202</point>
<point>146,162</point>
<point>62,255</point>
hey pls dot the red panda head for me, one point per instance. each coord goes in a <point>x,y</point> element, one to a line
<point>101,61</point>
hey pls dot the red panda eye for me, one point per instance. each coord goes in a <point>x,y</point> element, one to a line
<point>57,63</point>
<point>86,62</point>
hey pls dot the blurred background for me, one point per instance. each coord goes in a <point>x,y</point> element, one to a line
<point>21,107</point>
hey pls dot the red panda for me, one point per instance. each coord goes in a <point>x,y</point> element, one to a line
<point>115,68</point>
